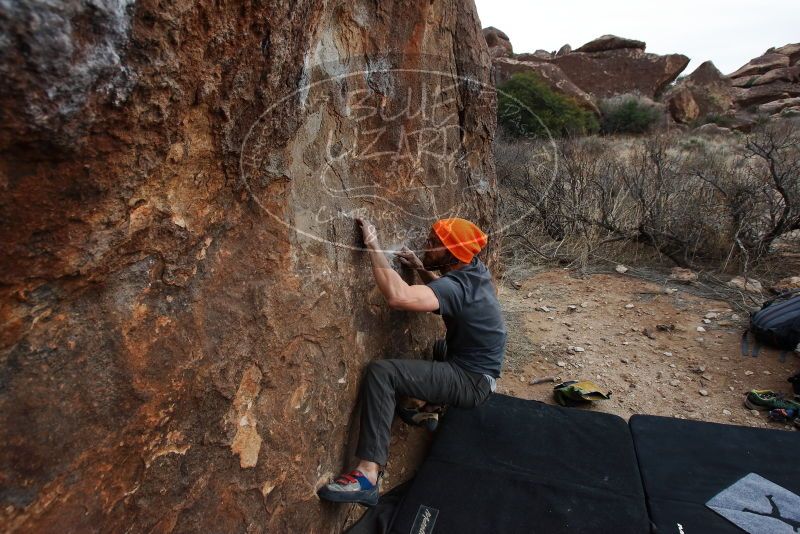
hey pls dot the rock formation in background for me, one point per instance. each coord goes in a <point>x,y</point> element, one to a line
<point>184,325</point>
<point>564,50</point>
<point>612,66</point>
<point>505,68</point>
<point>609,42</point>
<point>703,92</point>
<point>498,43</point>
<point>771,77</point>
<point>605,67</point>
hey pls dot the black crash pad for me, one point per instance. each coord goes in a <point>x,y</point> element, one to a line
<point>684,464</point>
<point>513,465</point>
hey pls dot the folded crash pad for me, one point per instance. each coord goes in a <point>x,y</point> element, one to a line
<point>702,477</point>
<point>514,465</point>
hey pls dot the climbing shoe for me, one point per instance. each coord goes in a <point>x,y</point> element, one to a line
<point>765,399</point>
<point>351,487</point>
<point>413,417</point>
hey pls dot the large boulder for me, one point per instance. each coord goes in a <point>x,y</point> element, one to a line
<point>618,71</point>
<point>774,76</point>
<point>504,68</point>
<point>709,89</point>
<point>682,106</point>
<point>776,106</point>
<point>536,56</point>
<point>790,50</point>
<point>782,74</point>
<point>744,97</point>
<point>186,315</point>
<point>564,50</point>
<point>761,64</point>
<point>611,42</point>
<point>498,42</point>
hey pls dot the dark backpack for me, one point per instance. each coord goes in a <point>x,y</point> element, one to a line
<point>776,324</point>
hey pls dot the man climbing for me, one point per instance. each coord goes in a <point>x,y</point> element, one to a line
<point>472,351</point>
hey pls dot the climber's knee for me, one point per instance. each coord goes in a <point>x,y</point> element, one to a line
<point>378,371</point>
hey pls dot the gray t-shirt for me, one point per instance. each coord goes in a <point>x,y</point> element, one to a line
<point>476,333</point>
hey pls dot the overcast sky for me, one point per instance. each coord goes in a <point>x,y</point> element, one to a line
<point>729,32</point>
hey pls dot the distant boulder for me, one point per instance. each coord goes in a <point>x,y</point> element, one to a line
<point>498,42</point>
<point>564,50</point>
<point>782,74</point>
<point>619,71</point>
<point>761,94</point>
<point>792,51</point>
<point>554,77</point>
<point>539,55</point>
<point>611,42</point>
<point>761,64</point>
<point>710,90</point>
<point>771,108</point>
<point>682,106</point>
<point>771,77</point>
<point>741,121</point>
<point>712,129</point>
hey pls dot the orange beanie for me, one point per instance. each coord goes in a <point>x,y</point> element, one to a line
<point>462,238</point>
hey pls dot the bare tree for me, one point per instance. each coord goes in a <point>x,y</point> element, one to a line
<point>694,202</point>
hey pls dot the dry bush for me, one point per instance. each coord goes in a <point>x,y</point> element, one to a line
<point>698,203</point>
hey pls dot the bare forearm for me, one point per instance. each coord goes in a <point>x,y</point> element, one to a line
<point>390,283</point>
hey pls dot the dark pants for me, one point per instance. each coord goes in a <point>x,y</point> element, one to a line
<point>437,382</point>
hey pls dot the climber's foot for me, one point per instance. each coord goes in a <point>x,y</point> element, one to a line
<point>351,487</point>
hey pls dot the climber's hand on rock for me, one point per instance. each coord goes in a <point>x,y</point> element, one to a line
<point>408,258</point>
<point>368,232</point>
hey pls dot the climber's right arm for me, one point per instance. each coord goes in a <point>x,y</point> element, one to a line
<point>398,294</point>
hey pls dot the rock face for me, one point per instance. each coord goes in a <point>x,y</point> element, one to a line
<point>704,91</point>
<point>745,97</point>
<point>774,76</point>
<point>625,70</point>
<point>185,321</point>
<point>761,64</point>
<point>777,106</point>
<point>682,106</point>
<point>498,42</point>
<point>790,50</point>
<point>783,74</point>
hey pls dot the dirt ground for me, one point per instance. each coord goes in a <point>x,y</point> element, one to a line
<point>605,328</point>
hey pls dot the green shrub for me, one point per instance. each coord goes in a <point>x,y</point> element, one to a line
<point>628,114</point>
<point>528,107</point>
